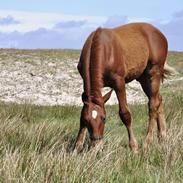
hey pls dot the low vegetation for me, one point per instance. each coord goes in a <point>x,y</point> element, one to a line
<point>36,144</point>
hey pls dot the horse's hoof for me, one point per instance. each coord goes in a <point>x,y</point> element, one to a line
<point>135,150</point>
<point>75,152</point>
<point>134,146</point>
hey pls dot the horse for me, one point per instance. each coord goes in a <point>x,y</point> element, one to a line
<point>112,58</point>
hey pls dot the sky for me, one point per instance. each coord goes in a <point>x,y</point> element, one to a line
<point>66,24</point>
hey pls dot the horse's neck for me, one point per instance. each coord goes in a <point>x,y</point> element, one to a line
<point>94,96</point>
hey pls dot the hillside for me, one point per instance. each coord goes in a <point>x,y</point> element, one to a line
<point>36,141</point>
<point>50,77</point>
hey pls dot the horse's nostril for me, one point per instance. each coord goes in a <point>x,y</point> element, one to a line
<point>104,120</point>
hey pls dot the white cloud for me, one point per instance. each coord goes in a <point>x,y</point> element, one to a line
<point>115,21</point>
<point>8,20</point>
<point>48,30</point>
<point>30,21</point>
<point>70,24</point>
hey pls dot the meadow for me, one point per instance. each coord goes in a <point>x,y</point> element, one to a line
<point>36,142</point>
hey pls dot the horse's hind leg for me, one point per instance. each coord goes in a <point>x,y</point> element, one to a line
<point>150,82</point>
<point>124,112</point>
<point>161,121</point>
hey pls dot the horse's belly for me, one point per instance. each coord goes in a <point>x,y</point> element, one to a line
<point>133,73</point>
<point>136,60</point>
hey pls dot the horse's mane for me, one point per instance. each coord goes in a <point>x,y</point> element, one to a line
<point>96,56</point>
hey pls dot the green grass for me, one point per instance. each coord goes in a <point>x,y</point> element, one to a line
<point>176,60</point>
<point>36,146</point>
<point>40,54</point>
<point>36,142</point>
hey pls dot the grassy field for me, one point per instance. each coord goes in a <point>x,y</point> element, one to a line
<point>36,143</point>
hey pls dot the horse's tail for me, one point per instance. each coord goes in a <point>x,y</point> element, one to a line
<point>169,71</point>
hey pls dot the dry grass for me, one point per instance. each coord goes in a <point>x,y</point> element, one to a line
<point>36,145</point>
<point>36,142</point>
<point>176,60</point>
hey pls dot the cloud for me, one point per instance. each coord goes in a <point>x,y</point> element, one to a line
<point>47,30</point>
<point>9,20</point>
<point>54,31</point>
<point>45,38</point>
<point>173,30</point>
<point>174,27</point>
<point>115,21</point>
<point>70,24</point>
<point>178,14</point>
<point>30,21</point>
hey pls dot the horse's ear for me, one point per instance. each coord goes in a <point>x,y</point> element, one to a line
<point>84,97</point>
<point>107,96</point>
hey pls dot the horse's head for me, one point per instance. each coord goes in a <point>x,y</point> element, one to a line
<point>93,117</point>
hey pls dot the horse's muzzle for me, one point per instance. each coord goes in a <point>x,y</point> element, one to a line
<point>94,138</point>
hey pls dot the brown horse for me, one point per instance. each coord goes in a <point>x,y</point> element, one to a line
<point>113,57</point>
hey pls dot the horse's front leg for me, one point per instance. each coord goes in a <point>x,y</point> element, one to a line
<point>80,138</point>
<point>125,113</point>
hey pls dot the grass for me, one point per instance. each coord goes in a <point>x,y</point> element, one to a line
<point>176,60</point>
<point>36,142</point>
<point>40,54</point>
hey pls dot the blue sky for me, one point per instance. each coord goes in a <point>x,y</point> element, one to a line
<point>66,24</point>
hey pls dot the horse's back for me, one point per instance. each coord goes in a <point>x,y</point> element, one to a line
<point>142,36</point>
<point>142,43</point>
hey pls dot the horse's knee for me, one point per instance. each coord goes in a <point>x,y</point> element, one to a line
<point>160,99</point>
<point>125,116</point>
<point>154,104</point>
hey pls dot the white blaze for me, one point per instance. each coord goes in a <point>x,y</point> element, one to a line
<point>94,114</point>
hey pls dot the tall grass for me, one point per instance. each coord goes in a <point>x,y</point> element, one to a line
<point>36,144</point>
